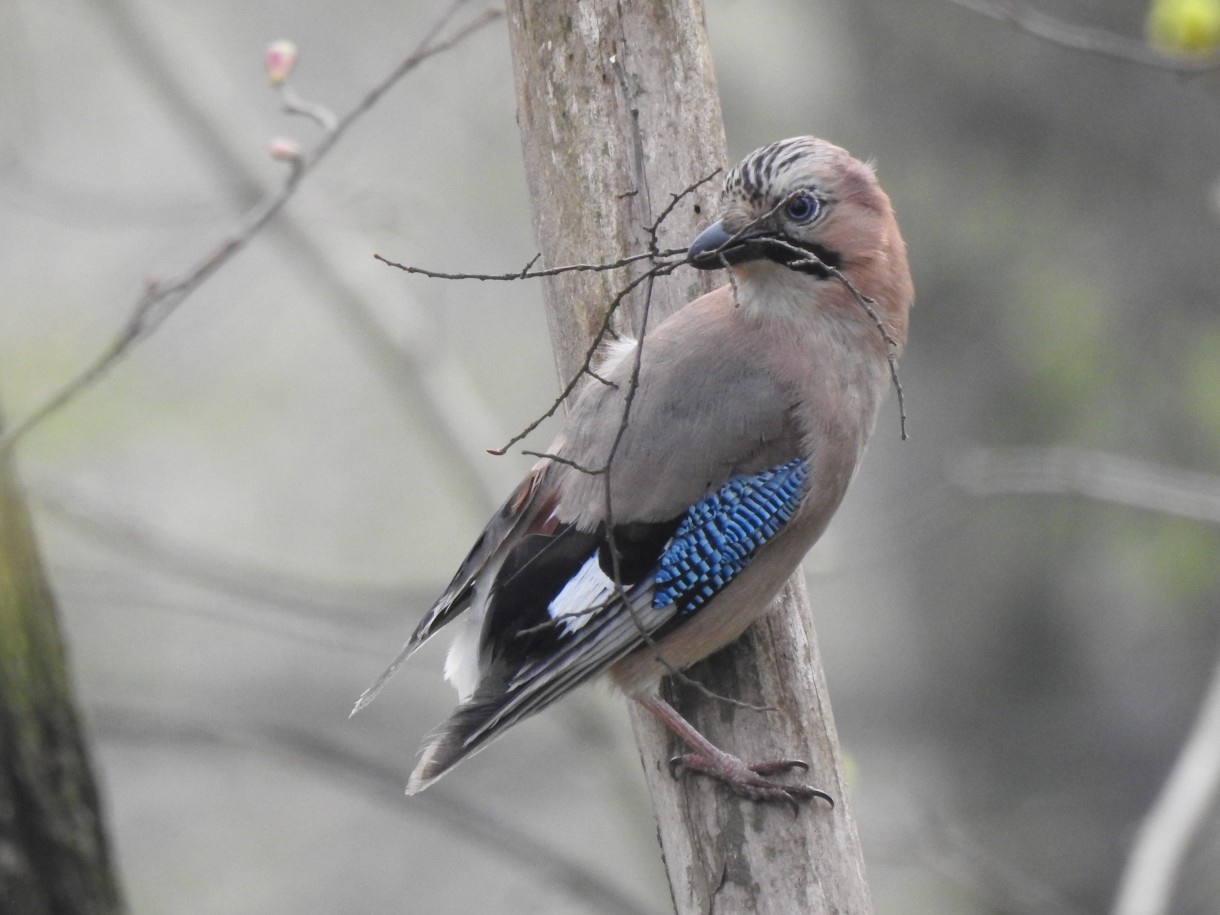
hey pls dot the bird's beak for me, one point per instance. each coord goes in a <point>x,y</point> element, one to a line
<point>716,246</point>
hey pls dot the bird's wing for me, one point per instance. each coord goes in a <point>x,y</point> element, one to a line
<point>567,604</point>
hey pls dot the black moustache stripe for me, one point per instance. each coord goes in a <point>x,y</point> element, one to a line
<point>790,255</point>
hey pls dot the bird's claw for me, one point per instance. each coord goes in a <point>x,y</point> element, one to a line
<point>676,763</point>
<point>776,766</point>
<point>751,781</point>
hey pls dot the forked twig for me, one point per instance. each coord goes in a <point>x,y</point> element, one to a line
<point>161,299</point>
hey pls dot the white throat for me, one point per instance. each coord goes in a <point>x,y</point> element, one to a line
<point>768,291</point>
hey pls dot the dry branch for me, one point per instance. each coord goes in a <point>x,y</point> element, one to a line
<point>162,298</point>
<point>1189,794</point>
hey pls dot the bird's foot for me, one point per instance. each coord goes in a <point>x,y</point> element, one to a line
<point>750,780</point>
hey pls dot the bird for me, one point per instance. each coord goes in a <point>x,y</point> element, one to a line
<point>693,474</point>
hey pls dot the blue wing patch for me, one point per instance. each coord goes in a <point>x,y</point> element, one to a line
<point>720,534</point>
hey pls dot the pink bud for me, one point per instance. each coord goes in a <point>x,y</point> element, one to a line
<point>283,149</point>
<point>279,59</point>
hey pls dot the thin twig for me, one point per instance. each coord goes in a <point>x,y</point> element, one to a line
<point>652,228</point>
<point>674,200</point>
<point>1082,38</point>
<point>160,300</point>
<point>620,592</point>
<point>319,114</point>
<point>527,273</point>
<point>560,459</point>
<point>664,262</point>
<point>586,368</point>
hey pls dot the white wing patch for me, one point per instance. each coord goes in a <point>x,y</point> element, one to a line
<point>462,661</point>
<point>586,591</point>
<point>462,667</point>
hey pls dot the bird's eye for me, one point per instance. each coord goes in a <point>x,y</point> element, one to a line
<point>802,207</point>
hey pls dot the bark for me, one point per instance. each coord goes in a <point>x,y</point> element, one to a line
<point>54,858</point>
<point>618,111</point>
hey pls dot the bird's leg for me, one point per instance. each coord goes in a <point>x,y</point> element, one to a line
<point>751,781</point>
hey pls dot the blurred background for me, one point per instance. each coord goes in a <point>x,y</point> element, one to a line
<point>245,518</point>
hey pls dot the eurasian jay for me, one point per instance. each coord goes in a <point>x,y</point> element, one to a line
<point>670,512</point>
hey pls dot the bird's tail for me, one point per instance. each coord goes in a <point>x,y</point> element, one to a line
<point>471,727</point>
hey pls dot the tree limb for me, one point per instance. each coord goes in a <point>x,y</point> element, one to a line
<point>163,297</point>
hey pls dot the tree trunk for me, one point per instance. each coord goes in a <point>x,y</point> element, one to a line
<point>54,859</point>
<point>618,111</point>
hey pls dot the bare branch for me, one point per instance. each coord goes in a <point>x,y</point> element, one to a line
<point>161,299</point>
<point>661,268</point>
<point>1185,802</point>
<point>675,199</point>
<point>560,459</point>
<point>1105,477</point>
<point>663,263</point>
<point>1082,38</point>
<point>527,273</point>
<point>498,837</point>
<point>1190,792</point>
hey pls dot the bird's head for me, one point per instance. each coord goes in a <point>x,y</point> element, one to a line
<point>797,210</point>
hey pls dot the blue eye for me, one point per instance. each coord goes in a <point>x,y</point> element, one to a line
<point>802,207</point>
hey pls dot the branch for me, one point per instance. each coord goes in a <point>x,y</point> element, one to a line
<point>161,299</point>
<point>1104,477</point>
<point>664,262</point>
<point>1190,792</point>
<point>1186,800</point>
<point>528,273</point>
<point>551,865</point>
<point>640,174</point>
<point>1082,38</point>
<point>313,610</point>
